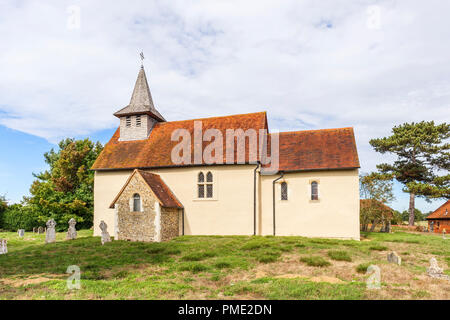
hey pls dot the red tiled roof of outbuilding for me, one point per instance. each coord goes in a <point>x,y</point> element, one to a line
<point>443,212</point>
<point>159,188</point>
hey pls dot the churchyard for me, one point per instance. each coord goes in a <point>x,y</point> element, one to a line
<point>215,267</point>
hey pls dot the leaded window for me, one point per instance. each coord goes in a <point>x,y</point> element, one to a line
<point>284,191</point>
<point>136,202</point>
<point>205,188</point>
<point>314,190</point>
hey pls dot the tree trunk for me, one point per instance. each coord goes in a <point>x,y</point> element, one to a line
<point>411,208</point>
<point>374,223</point>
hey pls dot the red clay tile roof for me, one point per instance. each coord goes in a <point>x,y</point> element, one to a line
<point>156,150</point>
<point>440,212</point>
<point>328,149</point>
<point>156,184</point>
<point>318,150</point>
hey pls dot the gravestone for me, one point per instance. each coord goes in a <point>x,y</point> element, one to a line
<point>50,235</point>
<point>443,234</point>
<point>72,232</point>
<point>34,230</point>
<point>393,257</point>
<point>105,234</point>
<point>435,271</point>
<point>3,246</point>
<point>21,232</point>
<point>40,230</point>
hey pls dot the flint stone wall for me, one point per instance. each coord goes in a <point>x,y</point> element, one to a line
<point>170,219</point>
<point>140,226</point>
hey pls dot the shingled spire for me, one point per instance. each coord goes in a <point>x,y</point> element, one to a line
<point>141,101</point>
<point>140,115</point>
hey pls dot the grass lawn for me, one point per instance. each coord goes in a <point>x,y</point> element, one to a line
<point>213,267</point>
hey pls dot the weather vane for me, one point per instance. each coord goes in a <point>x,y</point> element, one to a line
<point>142,58</point>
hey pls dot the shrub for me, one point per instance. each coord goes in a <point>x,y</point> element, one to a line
<point>19,217</point>
<point>315,261</point>
<point>339,255</point>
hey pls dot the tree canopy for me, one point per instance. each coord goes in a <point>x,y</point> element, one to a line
<point>423,159</point>
<point>65,190</point>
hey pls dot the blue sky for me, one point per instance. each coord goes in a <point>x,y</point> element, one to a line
<point>68,65</point>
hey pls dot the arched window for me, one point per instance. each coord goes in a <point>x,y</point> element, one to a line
<point>136,202</point>
<point>284,191</point>
<point>314,190</point>
<point>202,185</point>
<point>209,185</point>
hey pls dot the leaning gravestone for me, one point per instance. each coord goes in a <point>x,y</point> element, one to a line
<point>72,232</point>
<point>50,235</point>
<point>435,271</point>
<point>3,246</point>
<point>21,232</point>
<point>105,234</point>
<point>393,257</point>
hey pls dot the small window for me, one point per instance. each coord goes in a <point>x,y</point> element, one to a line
<point>205,188</point>
<point>136,202</point>
<point>138,121</point>
<point>201,185</point>
<point>128,121</point>
<point>284,191</point>
<point>314,190</point>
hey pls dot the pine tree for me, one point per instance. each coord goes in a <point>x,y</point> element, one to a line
<point>423,159</point>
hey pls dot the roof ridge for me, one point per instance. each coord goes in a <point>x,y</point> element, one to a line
<point>218,117</point>
<point>314,130</point>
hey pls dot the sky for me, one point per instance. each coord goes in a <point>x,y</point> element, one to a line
<point>67,66</point>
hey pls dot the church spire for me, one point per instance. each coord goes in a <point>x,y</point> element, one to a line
<point>141,100</point>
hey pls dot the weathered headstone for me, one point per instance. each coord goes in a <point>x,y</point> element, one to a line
<point>40,230</point>
<point>21,232</point>
<point>3,246</point>
<point>50,235</point>
<point>435,271</point>
<point>443,234</point>
<point>105,234</point>
<point>393,257</point>
<point>72,232</point>
<point>34,229</point>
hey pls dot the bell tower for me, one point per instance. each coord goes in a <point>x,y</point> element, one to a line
<point>140,115</point>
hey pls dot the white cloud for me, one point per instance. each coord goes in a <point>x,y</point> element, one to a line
<point>310,64</point>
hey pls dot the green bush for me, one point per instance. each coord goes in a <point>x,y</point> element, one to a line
<point>17,217</point>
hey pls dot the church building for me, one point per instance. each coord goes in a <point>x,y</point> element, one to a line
<point>225,175</point>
